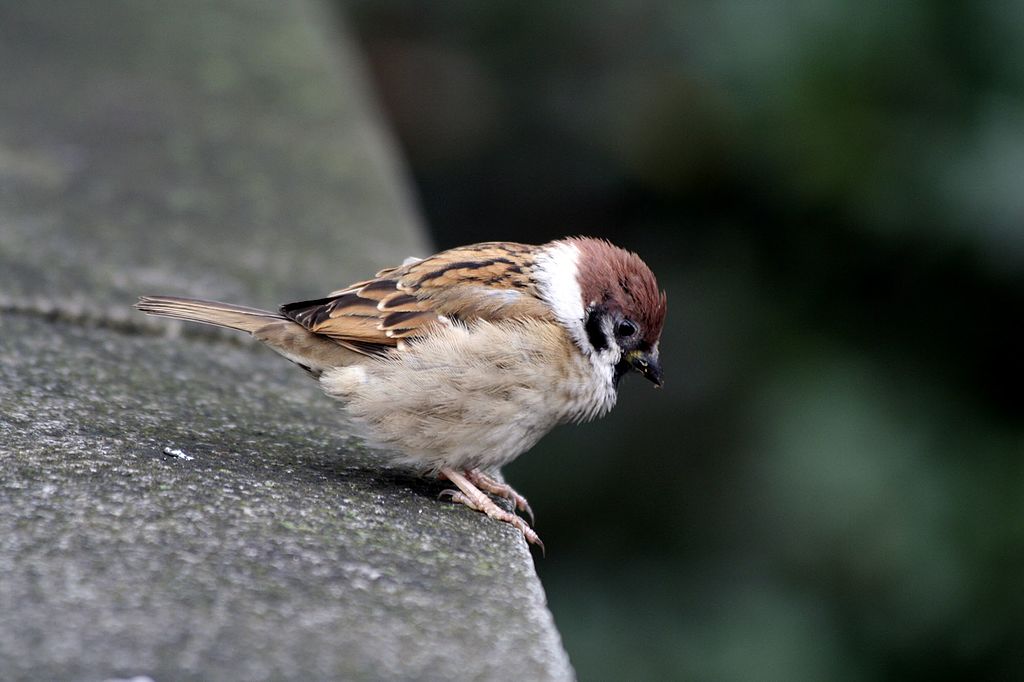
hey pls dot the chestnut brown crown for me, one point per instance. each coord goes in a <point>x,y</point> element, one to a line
<point>619,281</point>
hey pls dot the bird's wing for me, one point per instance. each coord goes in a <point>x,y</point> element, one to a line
<point>488,281</point>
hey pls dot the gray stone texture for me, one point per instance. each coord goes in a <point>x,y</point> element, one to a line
<point>179,503</point>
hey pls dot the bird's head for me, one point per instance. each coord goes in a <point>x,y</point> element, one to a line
<point>609,301</point>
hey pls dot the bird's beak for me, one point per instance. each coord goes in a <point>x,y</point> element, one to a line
<point>647,363</point>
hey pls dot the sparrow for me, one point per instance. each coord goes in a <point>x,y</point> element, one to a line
<point>460,362</point>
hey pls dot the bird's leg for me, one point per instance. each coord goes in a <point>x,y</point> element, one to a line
<point>474,498</point>
<point>495,487</point>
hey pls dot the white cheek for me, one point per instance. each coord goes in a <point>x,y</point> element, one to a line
<point>556,272</point>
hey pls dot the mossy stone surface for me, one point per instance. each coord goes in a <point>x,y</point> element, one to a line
<point>182,508</point>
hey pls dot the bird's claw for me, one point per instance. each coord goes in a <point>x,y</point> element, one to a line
<point>474,498</point>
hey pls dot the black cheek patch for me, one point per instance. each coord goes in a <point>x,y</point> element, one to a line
<point>594,333</point>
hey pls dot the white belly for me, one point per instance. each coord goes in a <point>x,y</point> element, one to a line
<point>475,396</point>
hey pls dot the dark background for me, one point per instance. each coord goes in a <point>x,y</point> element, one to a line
<point>832,193</point>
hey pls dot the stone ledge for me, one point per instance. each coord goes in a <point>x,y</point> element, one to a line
<point>223,149</point>
<point>276,547</point>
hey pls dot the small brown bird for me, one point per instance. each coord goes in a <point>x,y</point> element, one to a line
<point>462,361</point>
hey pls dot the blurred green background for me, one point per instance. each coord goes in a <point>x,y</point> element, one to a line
<point>831,486</point>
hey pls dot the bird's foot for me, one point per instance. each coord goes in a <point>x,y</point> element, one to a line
<point>474,498</point>
<point>503,490</point>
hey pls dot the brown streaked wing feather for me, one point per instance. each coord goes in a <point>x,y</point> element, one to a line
<point>492,280</point>
<point>349,318</point>
<point>497,264</point>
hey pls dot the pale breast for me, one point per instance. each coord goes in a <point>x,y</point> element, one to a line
<point>477,395</point>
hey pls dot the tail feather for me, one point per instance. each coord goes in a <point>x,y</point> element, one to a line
<point>313,352</point>
<point>226,315</point>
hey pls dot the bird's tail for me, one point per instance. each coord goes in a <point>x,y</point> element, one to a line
<point>227,315</point>
<point>313,352</point>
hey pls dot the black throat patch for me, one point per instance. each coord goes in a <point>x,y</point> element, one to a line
<point>621,370</point>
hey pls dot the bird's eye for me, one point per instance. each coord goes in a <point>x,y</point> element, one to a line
<point>626,328</point>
